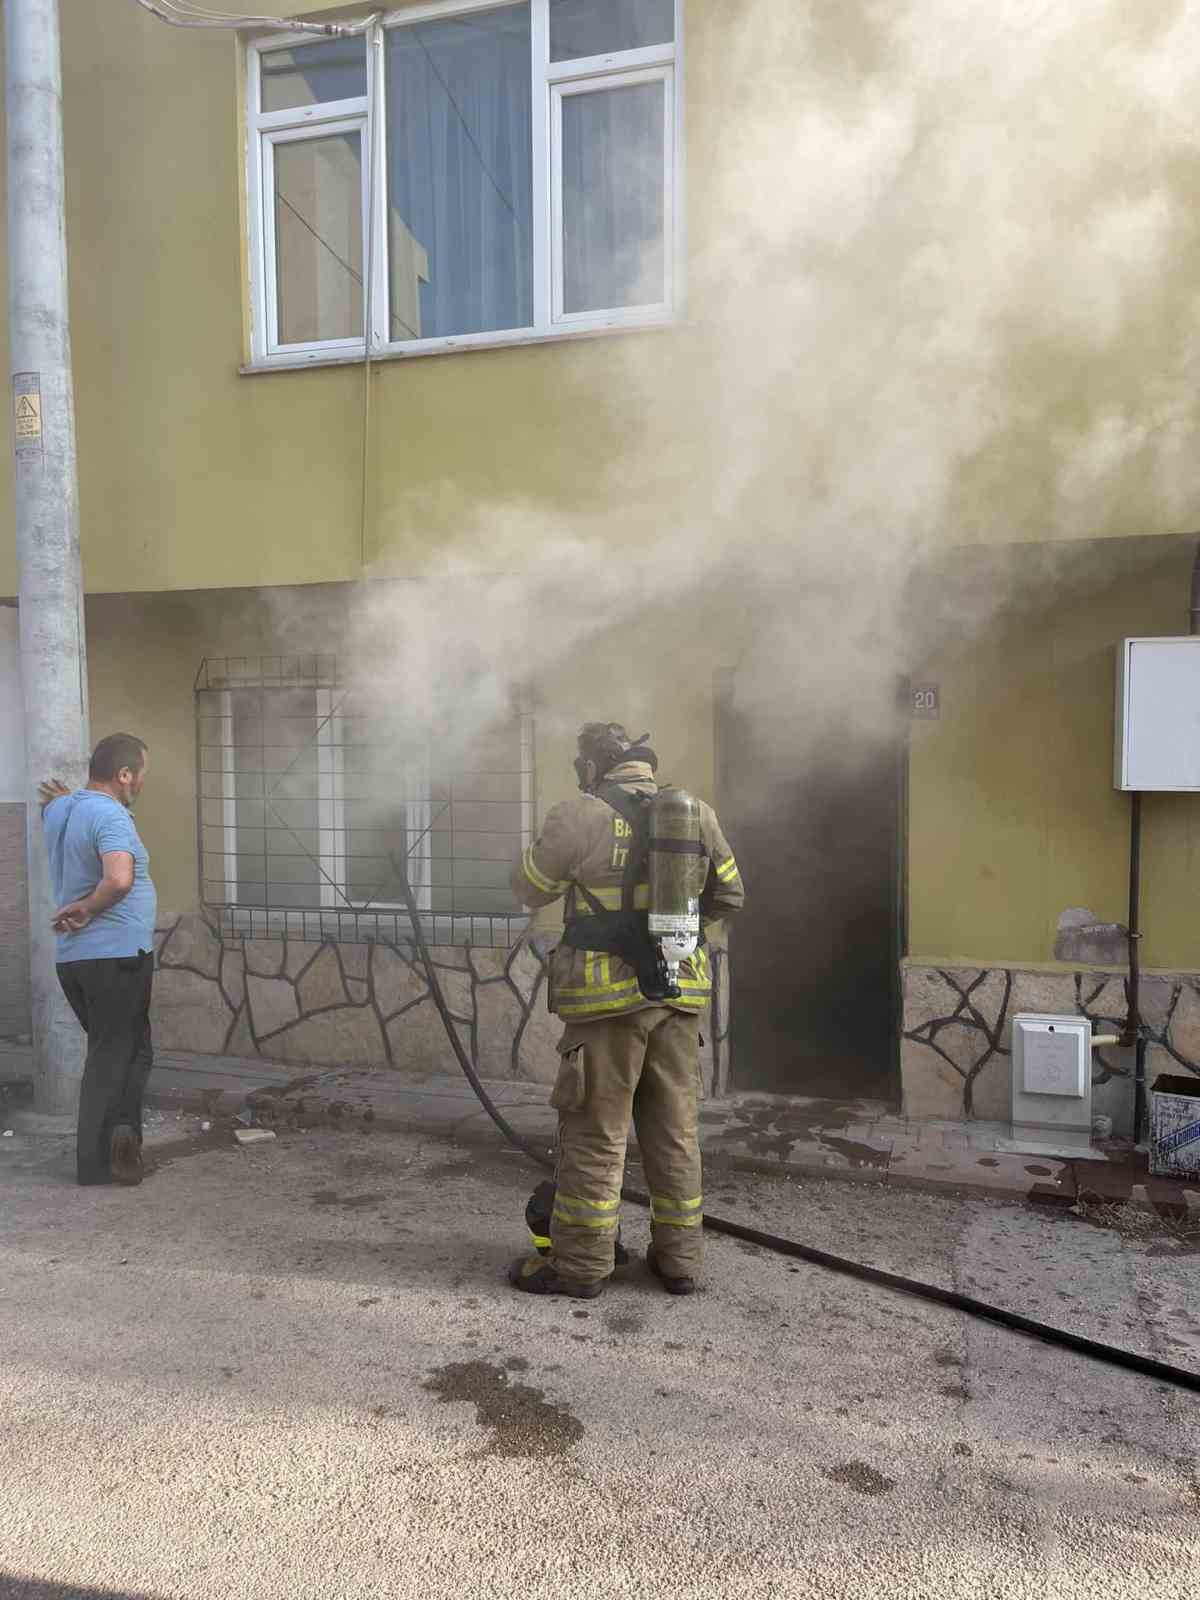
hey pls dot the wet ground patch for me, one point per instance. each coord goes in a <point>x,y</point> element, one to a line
<point>347,1202</point>
<point>437,1170</point>
<point>623,1322</point>
<point>524,1424</point>
<point>857,1475</point>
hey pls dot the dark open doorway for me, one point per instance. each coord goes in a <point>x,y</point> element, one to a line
<point>817,834</point>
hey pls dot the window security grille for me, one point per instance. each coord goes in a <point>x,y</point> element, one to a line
<point>309,794</point>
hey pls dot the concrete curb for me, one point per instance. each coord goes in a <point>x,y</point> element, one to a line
<point>463,1121</point>
<point>851,1143</point>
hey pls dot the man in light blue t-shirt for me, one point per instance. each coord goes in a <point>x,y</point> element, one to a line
<point>100,872</point>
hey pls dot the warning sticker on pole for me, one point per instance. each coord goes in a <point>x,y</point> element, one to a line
<point>27,415</point>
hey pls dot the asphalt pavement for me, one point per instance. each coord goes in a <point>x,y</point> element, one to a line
<point>296,1370</point>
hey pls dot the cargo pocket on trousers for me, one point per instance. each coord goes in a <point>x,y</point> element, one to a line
<point>570,1087</point>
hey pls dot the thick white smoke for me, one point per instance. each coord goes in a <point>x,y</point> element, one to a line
<point>942,290</point>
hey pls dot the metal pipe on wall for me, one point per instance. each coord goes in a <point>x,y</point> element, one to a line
<point>46,495</point>
<point>1132,1037</point>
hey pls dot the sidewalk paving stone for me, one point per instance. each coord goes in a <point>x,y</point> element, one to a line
<point>1022,1176</point>
<point>799,1138</point>
<point>867,1163</point>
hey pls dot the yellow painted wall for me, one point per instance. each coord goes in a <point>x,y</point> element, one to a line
<point>1013,814</point>
<point>145,651</point>
<point>934,294</point>
<point>938,293</point>
<point>144,654</point>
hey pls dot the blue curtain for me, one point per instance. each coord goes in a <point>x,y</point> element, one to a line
<point>459,143</point>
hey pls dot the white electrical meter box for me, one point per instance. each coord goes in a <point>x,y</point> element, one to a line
<point>1052,1079</point>
<point>1158,714</point>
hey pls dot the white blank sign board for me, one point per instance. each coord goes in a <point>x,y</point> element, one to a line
<point>1158,714</point>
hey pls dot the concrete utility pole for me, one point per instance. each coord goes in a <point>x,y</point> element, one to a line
<point>46,486</point>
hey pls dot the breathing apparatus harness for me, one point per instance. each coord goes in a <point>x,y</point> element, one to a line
<point>666,855</point>
<point>627,933</point>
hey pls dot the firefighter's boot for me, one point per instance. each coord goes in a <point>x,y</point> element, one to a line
<point>680,1285</point>
<point>532,1275</point>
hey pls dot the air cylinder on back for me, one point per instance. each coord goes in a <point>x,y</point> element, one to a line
<point>676,869</point>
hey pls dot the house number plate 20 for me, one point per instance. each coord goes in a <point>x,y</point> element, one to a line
<point>926,701</point>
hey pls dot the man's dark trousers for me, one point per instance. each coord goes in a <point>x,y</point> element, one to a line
<point>111,998</point>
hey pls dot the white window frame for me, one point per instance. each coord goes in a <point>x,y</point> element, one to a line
<point>551,81</point>
<point>218,784</point>
<point>564,89</point>
<point>271,139</point>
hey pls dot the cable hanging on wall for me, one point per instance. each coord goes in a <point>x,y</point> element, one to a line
<point>183,14</point>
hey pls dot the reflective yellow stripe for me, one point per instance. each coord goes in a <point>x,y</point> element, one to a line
<point>540,1242</point>
<point>626,986</point>
<point>589,1205</point>
<point>610,899</point>
<point>579,1213</point>
<point>585,1222</point>
<point>676,1213</point>
<point>580,1007</point>
<point>537,878</point>
<point>727,870</point>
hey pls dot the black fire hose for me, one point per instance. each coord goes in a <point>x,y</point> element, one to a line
<point>1147,1366</point>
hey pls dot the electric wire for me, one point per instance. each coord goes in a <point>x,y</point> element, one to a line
<point>182,14</point>
<point>373,61</point>
<point>1113,1355</point>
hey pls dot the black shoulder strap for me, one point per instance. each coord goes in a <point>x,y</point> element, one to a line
<point>594,905</point>
<point>635,808</point>
<point>632,807</point>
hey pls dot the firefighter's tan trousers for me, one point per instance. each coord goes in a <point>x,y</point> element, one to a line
<point>645,1064</point>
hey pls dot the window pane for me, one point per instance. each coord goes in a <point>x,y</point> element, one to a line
<point>460,143</point>
<point>375,832</point>
<point>319,238</point>
<point>613,198</point>
<point>597,27</point>
<point>313,74</point>
<point>274,821</point>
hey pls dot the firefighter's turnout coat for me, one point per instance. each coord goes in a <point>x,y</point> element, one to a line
<point>584,841</point>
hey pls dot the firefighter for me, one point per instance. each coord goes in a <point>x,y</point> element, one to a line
<point>631,1037</point>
